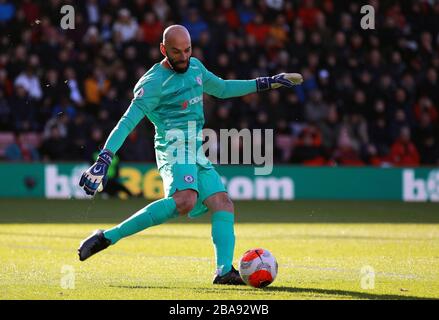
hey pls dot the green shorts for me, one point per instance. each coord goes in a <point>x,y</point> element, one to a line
<point>205,181</point>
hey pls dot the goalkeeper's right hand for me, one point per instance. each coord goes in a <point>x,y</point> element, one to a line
<point>97,173</point>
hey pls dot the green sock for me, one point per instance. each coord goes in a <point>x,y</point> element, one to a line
<point>153,214</point>
<point>223,238</point>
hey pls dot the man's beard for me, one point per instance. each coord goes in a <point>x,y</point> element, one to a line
<point>175,65</point>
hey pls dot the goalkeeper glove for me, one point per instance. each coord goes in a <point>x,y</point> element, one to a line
<point>284,79</point>
<point>96,174</point>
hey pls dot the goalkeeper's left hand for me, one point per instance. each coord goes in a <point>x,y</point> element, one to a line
<point>280,80</point>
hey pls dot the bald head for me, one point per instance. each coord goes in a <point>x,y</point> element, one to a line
<point>176,33</point>
<point>176,47</point>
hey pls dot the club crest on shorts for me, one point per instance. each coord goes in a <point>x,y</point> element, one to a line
<point>199,81</point>
<point>188,178</point>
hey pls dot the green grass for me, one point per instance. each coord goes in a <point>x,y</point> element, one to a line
<point>321,247</point>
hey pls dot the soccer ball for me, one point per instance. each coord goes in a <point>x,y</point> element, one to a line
<point>258,268</point>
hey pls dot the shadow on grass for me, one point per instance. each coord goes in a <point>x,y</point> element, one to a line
<point>329,293</point>
<point>344,293</point>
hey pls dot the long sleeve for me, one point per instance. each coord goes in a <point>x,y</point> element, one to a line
<point>224,89</point>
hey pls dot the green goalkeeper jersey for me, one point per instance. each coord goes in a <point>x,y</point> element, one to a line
<point>173,102</point>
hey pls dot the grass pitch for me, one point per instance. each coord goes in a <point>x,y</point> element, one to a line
<point>322,248</point>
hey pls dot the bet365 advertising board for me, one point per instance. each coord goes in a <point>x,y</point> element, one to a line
<point>60,181</point>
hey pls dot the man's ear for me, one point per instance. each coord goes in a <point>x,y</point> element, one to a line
<point>162,49</point>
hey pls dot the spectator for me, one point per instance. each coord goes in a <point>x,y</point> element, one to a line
<point>308,147</point>
<point>112,105</point>
<point>5,113</point>
<point>308,14</point>
<point>403,152</point>
<point>79,134</point>
<point>7,11</point>
<point>277,108</point>
<point>93,12</point>
<point>330,128</point>
<point>425,105</point>
<point>346,153</point>
<point>125,26</point>
<point>430,85</point>
<point>195,25</point>
<point>426,139</point>
<point>6,85</point>
<point>258,29</point>
<point>55,147</point>
<point>357,126</point>
<point>316,109</point>
<point>53,91</point>
<point>371,157</point>
<point>94,143</point>
<point>380,136</point>
<point>231,14</point>
<point>20,150</point>
<point>106,30</point>
<point>399,121</point>
<point>152,29</point>
<point>283,141</point>
<point>209,11</point>
<point>161,9</point>
<point>96,86</point>
<point>64,107</point>
<point>400,102</point>
<point>73,85</point>
<point>61,122</point>
<point>279,31</point>
<point>30,82</point>
<point>246,12</point>
<point>24,110</point>
<point>92,39</point>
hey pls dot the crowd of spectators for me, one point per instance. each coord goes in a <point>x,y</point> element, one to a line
<point>369,97</point>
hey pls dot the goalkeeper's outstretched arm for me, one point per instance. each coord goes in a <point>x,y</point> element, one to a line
<point>224,89</point>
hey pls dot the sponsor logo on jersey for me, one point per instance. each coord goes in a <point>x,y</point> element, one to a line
<point>192,101</point>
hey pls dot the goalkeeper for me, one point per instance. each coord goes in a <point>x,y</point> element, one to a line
<point>170,95</point>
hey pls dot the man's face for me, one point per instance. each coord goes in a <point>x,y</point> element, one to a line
<point>179,58</point>
<point>178,52</point>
